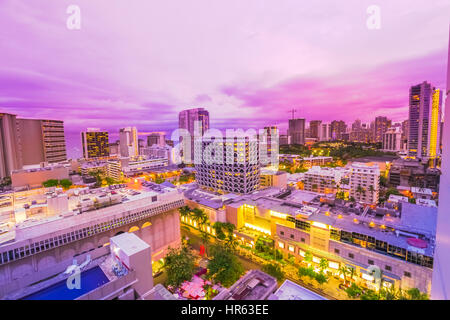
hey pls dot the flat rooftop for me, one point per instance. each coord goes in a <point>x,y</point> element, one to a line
<point>255,285</point>
<point>292,291</point>
<point>129,197</point>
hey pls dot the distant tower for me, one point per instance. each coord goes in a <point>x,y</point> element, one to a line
<point>297,131</point>
<point>187,120</point>
<point>10,158</point>
<point>95,144</point>
<point>129,146</point>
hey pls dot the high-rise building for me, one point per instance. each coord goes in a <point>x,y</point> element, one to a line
<point>9,146</point>
<point>95,143</point>
<point>424,122</point>
<point>338,129</point>
<point>29,142</point>
<point>405,130</point>
<point>297,131</point>
<point>364,182</point>
<point>236,169</point>
<point>269,142</point>
<point>381,125</point>
<point>314,129</point>
<point>360,132</point>
<point>41,141</point>
<point>392,139</point>
<point>356,125</point>
<point>129,146</point>
<point>191,120</point>
<point>441,277</point>
<point>325,132</point>
<point>158,138</point>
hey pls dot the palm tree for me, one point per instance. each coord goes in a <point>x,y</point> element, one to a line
<point>343,270</point>
<point>323,264</point>
<point>184,211</point>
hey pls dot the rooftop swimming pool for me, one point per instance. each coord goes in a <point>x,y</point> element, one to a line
<point>90,280</point>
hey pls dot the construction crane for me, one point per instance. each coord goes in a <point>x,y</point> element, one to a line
<point>293,111</point>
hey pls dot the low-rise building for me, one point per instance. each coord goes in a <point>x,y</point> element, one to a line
<point>34,176</point>
<point>324,180</point>
<point>272,178</point>
<point>398,240</point>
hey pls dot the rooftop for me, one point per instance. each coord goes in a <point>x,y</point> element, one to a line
<point>292,291</point>
<point>254,285</point>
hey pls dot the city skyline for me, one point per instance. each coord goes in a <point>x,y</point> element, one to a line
<point>251,73</point>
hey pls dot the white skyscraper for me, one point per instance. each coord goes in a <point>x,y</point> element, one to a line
<point>129,146</point>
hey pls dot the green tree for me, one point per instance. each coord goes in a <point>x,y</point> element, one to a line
<point>308,256</point>
<point>50,183</point>
<point>184,211</point>
<point>353,291</point>
<point>224,267</point>
<point>321,278</point>
<point>415,294</point>
<point>323,264</point>
<point>274,270</point>
<point>370,295</point>
<point>65,183</point>
<point>179,266</point>
<point>343,270</point>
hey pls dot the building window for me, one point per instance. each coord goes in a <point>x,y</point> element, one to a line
<point>291,248</point>
<point>388,268</point>
<point>351,255</point>
<point>407,274</point>
<point>302,239</point>
<point>336,251</point>
<point>281,245</point>
<point>370,262</point>
<point>292,236</point>
<point>282,233</point>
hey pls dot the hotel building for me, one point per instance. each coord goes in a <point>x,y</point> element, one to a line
<point>399,240</point>
<point>338,129</point>
<point>297,131</point>
<point>229,165</point>
<point>323,180</point>
<point>392,140</point>
<point>158,138</point>
<point>424,124</point>
<point>25,142</point>
<point>381,125</point>
<point>190,121</point>
<point>41,141</point>
<point>128,144</point>
<point>364,182</point>
<point>95,143</point>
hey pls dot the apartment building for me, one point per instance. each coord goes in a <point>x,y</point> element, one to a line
<point>323,180</point>
<point>364,182</point>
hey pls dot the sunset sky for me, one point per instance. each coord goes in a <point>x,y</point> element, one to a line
<point>138,63</point>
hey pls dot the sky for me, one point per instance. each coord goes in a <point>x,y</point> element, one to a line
<point>138,63</point>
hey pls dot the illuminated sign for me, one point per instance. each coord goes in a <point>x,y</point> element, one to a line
<point>320,225</point>
<point>278,214</point>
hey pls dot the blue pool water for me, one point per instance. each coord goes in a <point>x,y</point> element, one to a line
<point>90,280</point>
